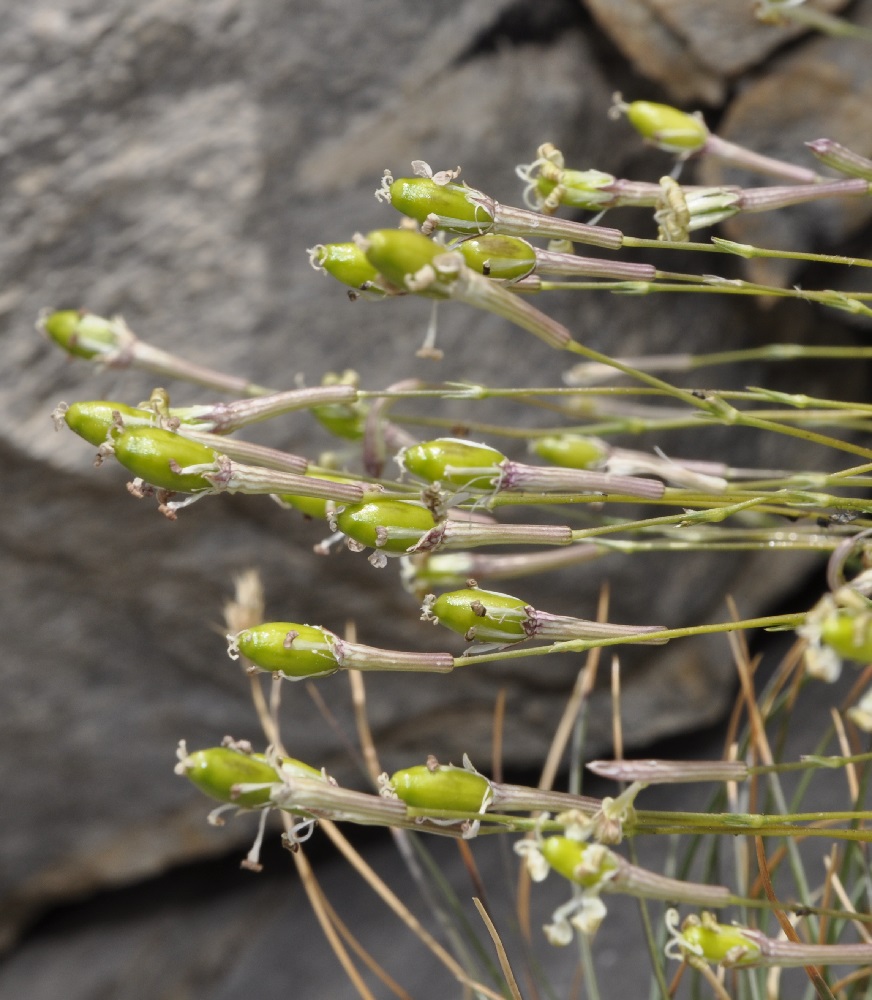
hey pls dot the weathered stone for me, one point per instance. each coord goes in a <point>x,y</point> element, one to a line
<point>694,48</point>
<point>822,90</point>
<point>171,163</point>
<point>218,933</point>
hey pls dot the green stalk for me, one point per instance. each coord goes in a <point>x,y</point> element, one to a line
<point>582,645</point>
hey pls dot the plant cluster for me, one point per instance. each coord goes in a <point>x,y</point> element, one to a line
<point>456,243</point>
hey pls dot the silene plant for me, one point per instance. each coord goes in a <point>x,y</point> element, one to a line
<point>727,929</point>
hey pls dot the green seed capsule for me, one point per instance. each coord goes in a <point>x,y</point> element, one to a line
<point>345,420</point>
<point>505,258</point>
<point>849,634</point>
<point>151,452</point>
<point>585,864</point>
<point>81,334</point>
<point>572,451</point>
<point>443,787</point>
<point>93,419</point>
<point>672,130</point>
<point>454,461</point>
<point>315,507</point>
<point>399,253</point>
<point>713,941</point>
<point>387,525</point>
<point>420,197</point>
<point>298,769</point>
<point>346,262</point>
<point>483,615</point>
<point>218,770</point>
<point>288,648</point>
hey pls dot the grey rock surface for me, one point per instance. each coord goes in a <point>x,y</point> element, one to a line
<point>695,49</point>
<point>822,90</point>
<point>217,933</point>
<point>171,162</point>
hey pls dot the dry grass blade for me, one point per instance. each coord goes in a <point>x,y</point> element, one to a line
<point>711,978</point>
<point>317,901</point>
<point>383,891</point>
<point>501,951</point>
<point>361,721</point>
<point>584,684</point>
<point>813,972</point>
<point>499,729</point>
<point>472,870</point>
<point>844,746</point>
<point>245,610</point>
<point>361,952</point>
<point>617,728</point>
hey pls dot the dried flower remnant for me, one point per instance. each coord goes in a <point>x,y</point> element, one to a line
<point>702,939</point>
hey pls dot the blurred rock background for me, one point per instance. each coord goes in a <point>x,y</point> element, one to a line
<point>170,161</point>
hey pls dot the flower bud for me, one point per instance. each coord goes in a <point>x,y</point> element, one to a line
<point>217,771</point>
<point>454,461</point>
<point>481,615</point>
<point>441,786</point>
<point>587,864</point>
<point>400,254</point>
<point>849,633</point>
<point>287,648</point>
<point>666,127</point>
<point>573,451</point>
<point>93,419</point>
<point>153,454</point>
<point>841,158</point>
<point>81,333</point>
<point>393,526</point>
<point>421,197</point>
<point>504,258</point>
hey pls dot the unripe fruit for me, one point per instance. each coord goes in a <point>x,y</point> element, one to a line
<point>850,635</point>
<point>346,262</point>
<point>504,258</point>
<point>586,864</point>
<point>672,130</point>
<point>483,615</point>
<point>398,253</point>
<point>344,420</point>
<point>420,197</point>
<point>315,507</point>
<point>217,770</point>
<point>81,334</point>
<point>387,525</point>
<point>151,453</point>
<point>440,787</point>
<point>93,419</point>
<point>713,941</point>
<point>572,451</point>
<point>454,461</point>
<point>288,648</point>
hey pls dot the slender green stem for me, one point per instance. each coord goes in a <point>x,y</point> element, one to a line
<point>582,645</point>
